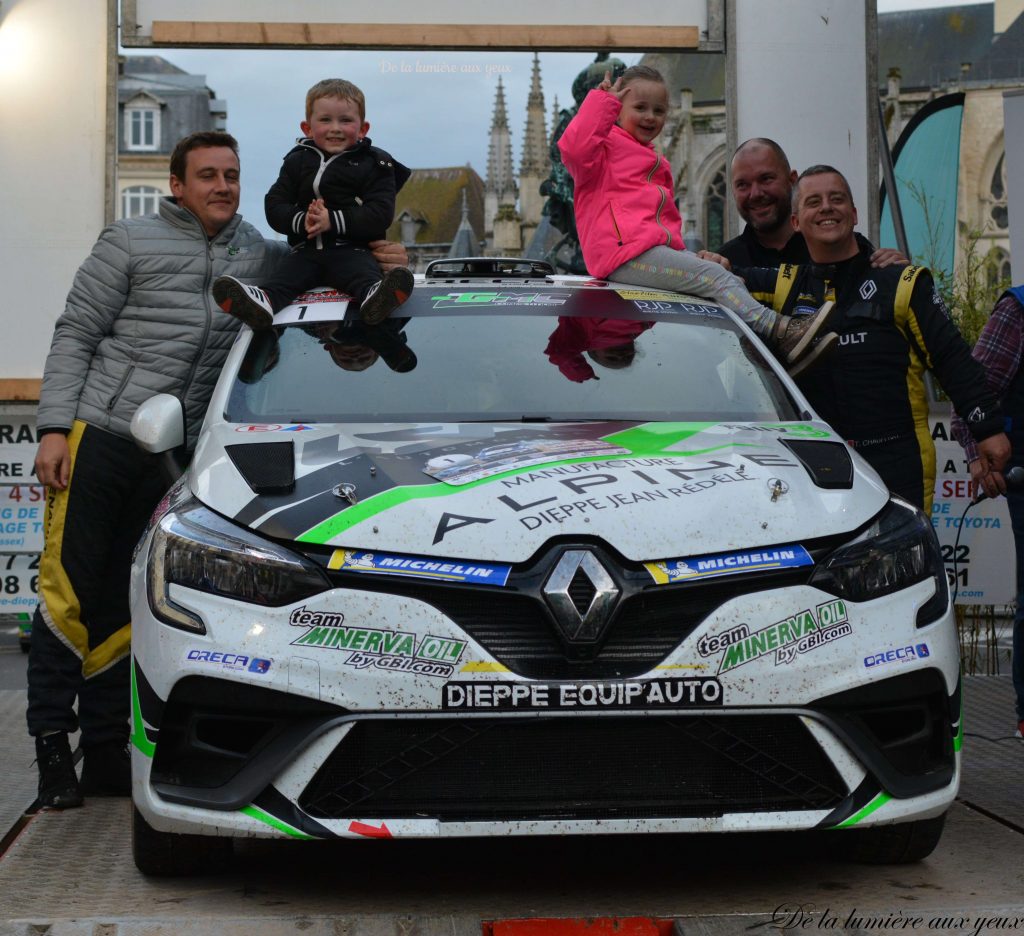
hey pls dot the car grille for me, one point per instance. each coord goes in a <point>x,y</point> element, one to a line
<point>517,629</point>
<point>573,768</point>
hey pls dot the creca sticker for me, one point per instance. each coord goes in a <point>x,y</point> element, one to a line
<point>493,299</point>
<point>898,655</point>
<point>258,428</point>
<point>457,469</point>
<point>799,633</point>
<point>477,573</point>
<point>669,571</point>
<point>233,661</point>
<point>670,693</point>
<point>395,651</point>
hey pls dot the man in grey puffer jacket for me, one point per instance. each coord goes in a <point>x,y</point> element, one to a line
<point>139,320</point>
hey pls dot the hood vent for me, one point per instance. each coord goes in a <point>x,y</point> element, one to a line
<point>268,467</point>
<point>828,463</point>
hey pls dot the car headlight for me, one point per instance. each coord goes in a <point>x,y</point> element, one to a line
<point>194,547</point>
<point>897,550</point>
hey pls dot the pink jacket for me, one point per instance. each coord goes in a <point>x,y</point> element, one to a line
<point>573,336</point>
<point>623,188</point>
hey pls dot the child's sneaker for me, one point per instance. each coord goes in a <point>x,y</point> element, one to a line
<point>386,296</point>
<point>248,303</point>
<point>803,341</point>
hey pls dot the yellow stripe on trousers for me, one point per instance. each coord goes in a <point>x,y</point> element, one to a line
<point>58,603</point>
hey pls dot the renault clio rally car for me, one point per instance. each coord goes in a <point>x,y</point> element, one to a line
<point>547,555</point>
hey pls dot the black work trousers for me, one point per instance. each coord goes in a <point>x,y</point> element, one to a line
<point>346,267</point>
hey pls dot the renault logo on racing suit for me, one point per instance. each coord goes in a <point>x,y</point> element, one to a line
<point>577,623</point>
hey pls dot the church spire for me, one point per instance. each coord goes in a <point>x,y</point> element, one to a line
<point>536,160</point>
<point>500,179</point>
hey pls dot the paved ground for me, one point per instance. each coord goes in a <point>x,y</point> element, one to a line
<point>71,874</point>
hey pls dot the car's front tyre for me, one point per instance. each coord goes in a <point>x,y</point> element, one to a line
<point>901,843</point>
<point>170,854</point>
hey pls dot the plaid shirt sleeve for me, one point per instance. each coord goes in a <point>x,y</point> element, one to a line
<point>999,350</point>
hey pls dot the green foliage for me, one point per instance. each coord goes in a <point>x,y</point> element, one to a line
<point>979,628</point>
<point>971,294</point>
<point>972,289</point>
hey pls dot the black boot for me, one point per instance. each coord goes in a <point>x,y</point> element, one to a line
<point>58,785</point>
<point>107,770</point>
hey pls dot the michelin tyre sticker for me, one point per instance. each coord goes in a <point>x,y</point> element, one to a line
<point>669,571</point>
<point>376,563</point>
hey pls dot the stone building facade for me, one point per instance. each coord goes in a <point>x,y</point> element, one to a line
<point>157,104</point>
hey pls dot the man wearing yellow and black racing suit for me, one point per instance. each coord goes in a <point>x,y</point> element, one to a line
<point>892,327</point>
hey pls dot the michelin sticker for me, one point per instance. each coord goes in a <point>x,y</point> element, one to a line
<point>796,634</point>
<point>375,563</point>
<point>669,571</point>
<point>394,651</point>
<point>670,693</point>
<point>458,469</point>
<point>898,655</point>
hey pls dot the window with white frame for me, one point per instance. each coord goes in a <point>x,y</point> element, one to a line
<point>140,200</point>
<point>142,126</point>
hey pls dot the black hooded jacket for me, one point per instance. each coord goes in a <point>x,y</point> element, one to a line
<point>358,186</point>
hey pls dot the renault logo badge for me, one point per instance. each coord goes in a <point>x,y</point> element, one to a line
<point>581,620</point>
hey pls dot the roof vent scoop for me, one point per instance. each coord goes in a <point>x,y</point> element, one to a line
<point>268,467</point>
<point>828,463</point>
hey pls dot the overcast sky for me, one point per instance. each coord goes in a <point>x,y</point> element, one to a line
<point>428,109</point>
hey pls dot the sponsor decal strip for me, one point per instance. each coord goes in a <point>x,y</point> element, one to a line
<point>233,661</point>
<point>798,633</point>
<point>479,573</point>
<point>650,439</point>
<point>392,651</point>
<point>667,693</point>
<point>898,655</point>
<point>668,571</point>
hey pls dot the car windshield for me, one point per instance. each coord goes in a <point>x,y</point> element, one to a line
<point>512,366</point>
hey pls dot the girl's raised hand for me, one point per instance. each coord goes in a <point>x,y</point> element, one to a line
<point>617,89</point>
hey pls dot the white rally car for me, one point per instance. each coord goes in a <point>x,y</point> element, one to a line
<point>547,555</point>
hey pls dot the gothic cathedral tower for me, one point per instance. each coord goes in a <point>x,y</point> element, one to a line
<point>501,223</point>
<point>536,162</point>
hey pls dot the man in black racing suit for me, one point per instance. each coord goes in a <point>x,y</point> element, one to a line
<point>892,327</point>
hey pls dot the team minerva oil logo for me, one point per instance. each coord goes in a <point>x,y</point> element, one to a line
<point>796,634</point>
<point>366,647</point>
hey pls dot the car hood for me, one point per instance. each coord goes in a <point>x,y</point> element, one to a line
<point>498,492</point>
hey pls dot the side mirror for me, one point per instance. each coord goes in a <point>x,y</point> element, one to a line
<point>158,425</point>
